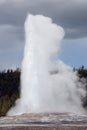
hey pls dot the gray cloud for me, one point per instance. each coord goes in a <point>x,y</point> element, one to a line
<point>11,46</point>
<point>70,14</point>
<point>10,37</point>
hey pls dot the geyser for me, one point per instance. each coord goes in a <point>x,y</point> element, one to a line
<point>43,90</point>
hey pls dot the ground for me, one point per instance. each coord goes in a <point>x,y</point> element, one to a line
<point>44,121</point>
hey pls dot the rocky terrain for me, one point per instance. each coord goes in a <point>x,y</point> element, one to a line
<point>44,121</point>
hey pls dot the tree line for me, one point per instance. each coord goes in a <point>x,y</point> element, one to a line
<point>10,88</point>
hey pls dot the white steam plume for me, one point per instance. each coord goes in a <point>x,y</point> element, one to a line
<point>41,89</point>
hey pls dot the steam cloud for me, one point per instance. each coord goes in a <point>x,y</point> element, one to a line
<point>47,85</point>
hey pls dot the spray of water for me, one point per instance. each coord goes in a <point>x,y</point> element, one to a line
<point>46,85</point>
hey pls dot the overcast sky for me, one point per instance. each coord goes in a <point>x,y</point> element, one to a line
<point>70,14</point>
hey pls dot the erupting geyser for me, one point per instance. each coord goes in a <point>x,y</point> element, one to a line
<point>43,90</point>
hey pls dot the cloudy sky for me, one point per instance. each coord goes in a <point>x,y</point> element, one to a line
<point>70,14</point>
